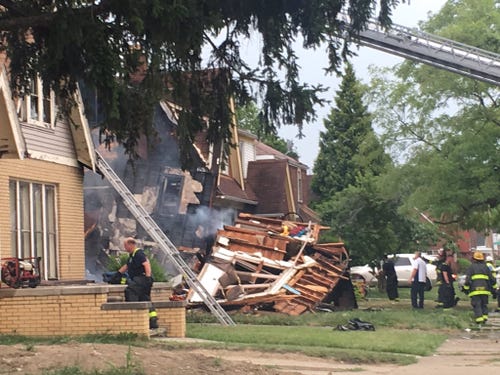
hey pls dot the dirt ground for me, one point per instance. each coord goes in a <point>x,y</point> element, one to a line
<point>460,355</point>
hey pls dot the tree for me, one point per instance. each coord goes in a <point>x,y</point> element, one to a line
<point>103,43</point>
<point>445,127</point>
<point>368,219</point>
<point>348,179</point>
<point>250,119</point>
<point>348,127</point>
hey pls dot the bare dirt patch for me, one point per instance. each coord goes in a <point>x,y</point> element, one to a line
<point>459,355</point>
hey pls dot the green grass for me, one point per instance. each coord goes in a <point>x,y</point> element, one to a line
<point>401,335</point>
<point>323,341</point>
<point>30,342</point>
<point>378,311</point>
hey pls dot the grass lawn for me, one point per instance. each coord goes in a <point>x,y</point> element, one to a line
<point>402,334</point>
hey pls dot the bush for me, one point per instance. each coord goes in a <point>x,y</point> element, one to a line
<point>157,270</point>
<point>463,264</point>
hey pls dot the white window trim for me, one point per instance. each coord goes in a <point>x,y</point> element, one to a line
<point>19,253</point>
<point>24,107</point>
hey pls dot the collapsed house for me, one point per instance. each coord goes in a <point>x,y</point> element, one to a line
<point>265,263</point>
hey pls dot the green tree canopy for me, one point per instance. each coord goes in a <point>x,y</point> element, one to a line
<point>347,147</point>
<point>103,42</point>
<point>444,127</point>
<point>349,179</point>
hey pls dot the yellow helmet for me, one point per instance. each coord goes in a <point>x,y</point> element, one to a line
<point>478,255</point>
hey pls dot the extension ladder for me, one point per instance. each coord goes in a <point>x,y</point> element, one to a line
<point>417,45</point>
<point>161,240</point>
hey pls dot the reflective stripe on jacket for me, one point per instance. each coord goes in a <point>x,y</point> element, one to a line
<point>479,279</point>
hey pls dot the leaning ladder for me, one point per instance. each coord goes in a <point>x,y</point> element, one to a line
<point>162,240</point>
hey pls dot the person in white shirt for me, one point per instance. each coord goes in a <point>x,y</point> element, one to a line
<point>417,281</point>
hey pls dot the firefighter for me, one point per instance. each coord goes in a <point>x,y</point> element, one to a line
<point>391,278</point>
<point>439,263</point>
<point>140,281</point>
<point>479,285</point>
<point>446,289</point>
<point>489,263</point>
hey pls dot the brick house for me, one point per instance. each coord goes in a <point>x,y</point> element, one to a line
<point>280,184</point>
<point>42,158</point>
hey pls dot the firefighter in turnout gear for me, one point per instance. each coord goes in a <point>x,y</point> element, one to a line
<point>479,285</point>
<point>496,293</point>
<point>439,276</point>
<point>140,280</point>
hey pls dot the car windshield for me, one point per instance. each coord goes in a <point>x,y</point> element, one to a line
<point>402,262</point>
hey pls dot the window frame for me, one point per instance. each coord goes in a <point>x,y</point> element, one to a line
<point>24,105</point>
<point>170,194</point>
<point>34,231</point>
<point>300,186</point>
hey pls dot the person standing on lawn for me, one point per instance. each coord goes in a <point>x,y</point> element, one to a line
<point>479,285</point>
<point>391,279</point>
<point>446,289</point>
<point>417,281</point>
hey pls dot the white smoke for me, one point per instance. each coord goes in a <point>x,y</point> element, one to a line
<point>211,219</point>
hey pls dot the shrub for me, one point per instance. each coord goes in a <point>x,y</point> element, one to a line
<point>463,264</point>
<point>157,270</point>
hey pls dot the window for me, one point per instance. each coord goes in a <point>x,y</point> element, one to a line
<point>402,262</point>
<point>300,197</point>
<point>170,195</point>
<point>37,107</point>
<point>33,224</point>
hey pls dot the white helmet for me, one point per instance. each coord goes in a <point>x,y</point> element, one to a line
<point>489,258</point>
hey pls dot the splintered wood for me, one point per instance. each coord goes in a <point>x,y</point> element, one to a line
<point>276,264</point>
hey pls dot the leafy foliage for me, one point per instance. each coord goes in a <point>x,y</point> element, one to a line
<point>445,127</point>
<point>348,147</point>
<point>123,49</point>
<point>157,270</point>
<point>350,182</point>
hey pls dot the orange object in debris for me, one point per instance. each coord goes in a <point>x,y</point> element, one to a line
<point>285,232</point>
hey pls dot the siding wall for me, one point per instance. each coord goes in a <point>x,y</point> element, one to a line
<point>56,141</point>
<point>247,154</point>
<point>69,188</point>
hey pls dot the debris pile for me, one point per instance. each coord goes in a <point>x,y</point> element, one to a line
<point>262,262</point>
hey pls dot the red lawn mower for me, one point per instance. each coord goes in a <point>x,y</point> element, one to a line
<point>21,272</point>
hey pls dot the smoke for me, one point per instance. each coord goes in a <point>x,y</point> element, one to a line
<point>211,219</point>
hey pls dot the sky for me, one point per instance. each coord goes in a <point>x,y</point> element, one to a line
<point>312,64</point>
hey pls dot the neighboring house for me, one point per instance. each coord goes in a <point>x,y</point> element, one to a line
<point>467,241</point>
<point>280,183</point>
<point>42,158</point>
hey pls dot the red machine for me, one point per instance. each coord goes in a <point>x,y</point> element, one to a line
<point>21,272</point>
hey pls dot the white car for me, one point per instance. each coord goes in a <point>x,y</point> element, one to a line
<point>365,274</point>
<point>403,264</point>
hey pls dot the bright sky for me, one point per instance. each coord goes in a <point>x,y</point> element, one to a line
<point>312,72</point>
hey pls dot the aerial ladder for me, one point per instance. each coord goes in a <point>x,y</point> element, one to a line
<point>431,49</point>
<point>163,242</point>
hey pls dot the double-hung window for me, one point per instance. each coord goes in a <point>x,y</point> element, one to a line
<point>38,106</point>
<point>33,223</point>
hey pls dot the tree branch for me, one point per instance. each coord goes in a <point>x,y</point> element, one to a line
<point>23,21</point>
<point>417,136</point>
